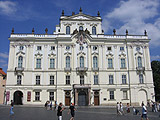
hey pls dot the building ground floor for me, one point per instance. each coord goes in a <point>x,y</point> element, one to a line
<point>81,95</point>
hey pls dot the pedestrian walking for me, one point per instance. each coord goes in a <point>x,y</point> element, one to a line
<point>72,111</point>
<point>118,109</point>
<point>11,108</point>
<point>51,105</point>
<point>128,108</point>
<point>135,111</point>
<point>121,108</point>
<point>59,111</point>
<point>55,104</point>
<point>144,112</point>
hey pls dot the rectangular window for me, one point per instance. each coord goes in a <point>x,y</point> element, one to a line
<point>124,81</point>
<point>96,79</point>
<point>37,80</point>
<point>111,95</point>
<point>39,47</point>
<point>123,65</point>
<point>81,79</point>
<point>110,65</point>
<point>141,79</point>
<point>51,80</point>
<point>109,48</point>
<point>37,96</point>
<point>51,96</point>
<point>38,63</point>
<point>67,80</point>
<point>19,79</point>
<point>121,48</point>
<point>125,96</point>
<point>52,47</point>
<point>111,80</point>
<point>52,63</point>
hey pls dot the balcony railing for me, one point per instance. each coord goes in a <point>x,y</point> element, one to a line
<point>95,69</point>
<point>17,69</point>
<point>140,68</point>
<point>81,69</point>
<point>67,69</point>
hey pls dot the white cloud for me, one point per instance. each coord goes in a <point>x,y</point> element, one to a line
<point>5,65</point>
<point>3,55</point>
<point>2,61</point>
<point>157,57</point>
<point>8,7</point>
<point>135,15</point>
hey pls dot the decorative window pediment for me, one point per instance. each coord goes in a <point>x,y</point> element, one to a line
<point>20,53</point>
<point>67,53</point>
<point>138,53</point>
<point>122,55</point>
<point>51,54</point>
<point>38,54</point>
<point>109,54</point>
<point>95,53</point>
<point>81,53</point>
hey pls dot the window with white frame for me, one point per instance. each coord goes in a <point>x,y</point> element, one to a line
<point>51,80</point>
<point>52,47</point>
<point>93,30</point>
<point>81,61</point>
<point>123,64</point>
<point>37,96</point>
<point>110,65</point>
<point>67,47</point>
<point>125,96</point>
<point>19,79</point>
<point>80,28</point>
<point>139,62</point>
<point>96,79</point>
<point>67,62</point>
<point>111,81</point>
<point>121,48</point>
<point>21,47</point>
<point>124,80</point>
<point>39,47</point>
<point>81,79</point>
<point>95,62</point>
<point>51,96</point>
<point>37,80</point>
<point>141,81</point>
<point>52,63</point>
<point>68,30</point>
<point>111,95</point>
<point>67,79</point>
<point>38,63</point>
<point>20,62</point>
<point>81,47</point>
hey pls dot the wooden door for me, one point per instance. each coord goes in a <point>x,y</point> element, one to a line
<point>96,100</point>
<point>67,100</point>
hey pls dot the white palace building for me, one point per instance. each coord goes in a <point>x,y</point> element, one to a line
<point>78,63</point>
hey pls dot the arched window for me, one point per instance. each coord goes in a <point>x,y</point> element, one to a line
<point>94,30</point>
<point>67,30</point>
<point>20,61</point>
<point>139,61</point>
<point>95,62</point>
<point>67,62</point>
<point>81,61</point>
<point>80,28</point>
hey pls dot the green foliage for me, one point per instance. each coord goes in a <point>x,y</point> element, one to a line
<point>156,78</point>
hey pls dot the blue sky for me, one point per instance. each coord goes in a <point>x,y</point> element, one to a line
<point>134,15</point>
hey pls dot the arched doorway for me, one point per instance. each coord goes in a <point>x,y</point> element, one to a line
<point>82,100</point>
<point>142,96</point>
<point>18,95</point>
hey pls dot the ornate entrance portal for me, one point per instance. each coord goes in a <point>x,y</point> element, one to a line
<point>18,95</point>
<point>82,101</point>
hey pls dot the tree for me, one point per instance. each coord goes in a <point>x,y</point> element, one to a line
<point>156,78</point>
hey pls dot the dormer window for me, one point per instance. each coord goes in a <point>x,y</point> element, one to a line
<point>68,30</point>
<point>109,48</point>
<point>93,30</point>
<point>81,28</point>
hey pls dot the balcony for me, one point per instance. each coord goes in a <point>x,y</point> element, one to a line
<point>81,69</point>
<point>95,69</point>
<point>140,70</point>
<point>67,69</point>
<point>17,69</point>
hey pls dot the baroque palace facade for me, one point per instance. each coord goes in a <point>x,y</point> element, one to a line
<point>79,63</point>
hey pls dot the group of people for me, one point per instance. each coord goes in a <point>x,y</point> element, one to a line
<point>60,108</point>
<point>119,108</point>
<point>155,106</point>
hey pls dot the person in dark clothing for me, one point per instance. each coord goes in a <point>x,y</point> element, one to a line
<point>59,111</point>
<point>72,111</point>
